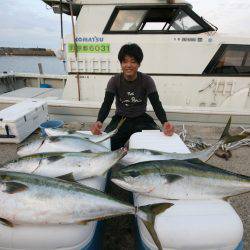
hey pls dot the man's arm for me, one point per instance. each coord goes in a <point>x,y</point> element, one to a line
<point>154,99</point>
<point>103,113</point>
<point>157,106</point>
<point>106,106</point>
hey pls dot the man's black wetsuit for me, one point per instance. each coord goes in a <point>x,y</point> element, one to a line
<point>131,101</point>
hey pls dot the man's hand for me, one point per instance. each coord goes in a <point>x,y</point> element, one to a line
<point>168,128</point>
<point>96,128</point>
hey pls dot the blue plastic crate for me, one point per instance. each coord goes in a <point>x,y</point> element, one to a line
<point>50,124</point>
<point>96,242</point>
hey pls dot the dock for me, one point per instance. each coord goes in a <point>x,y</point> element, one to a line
<point>121,230</point>
<point>8,51</point>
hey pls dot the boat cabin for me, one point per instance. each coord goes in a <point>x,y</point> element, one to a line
<point>185,54</point>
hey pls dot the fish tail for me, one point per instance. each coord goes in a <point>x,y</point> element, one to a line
<point>225,132</point>
<point>227,138</point>
<point>147,214</point>
<point>121,122</point>
<point>113,132</point>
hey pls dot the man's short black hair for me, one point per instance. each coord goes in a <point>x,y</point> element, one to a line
<point>132,50</point>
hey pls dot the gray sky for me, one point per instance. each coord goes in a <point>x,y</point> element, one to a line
<point>28,23</point>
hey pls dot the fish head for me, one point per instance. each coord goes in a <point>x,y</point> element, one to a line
<point>30,148</point>
<point>25,164</point>
<point>131,179</point>
<point>12,166</point>
<point>55,132</point>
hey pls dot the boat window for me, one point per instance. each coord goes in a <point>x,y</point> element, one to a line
<point>158,19</point>
<point>184,22</point>
<point>172,19</point>
<point>127,20</point>
<point>230,60</point>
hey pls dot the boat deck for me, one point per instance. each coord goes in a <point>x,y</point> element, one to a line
<point>31,92</point>
<point>68,110</point>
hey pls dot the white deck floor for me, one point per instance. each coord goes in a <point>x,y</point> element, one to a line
<point>31,92</point>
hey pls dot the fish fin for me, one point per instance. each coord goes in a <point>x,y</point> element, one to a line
<point>234,138</point>
<point>227,138</point>
<point>113,132</point>
<point>121,122</point>
<point>67,177</point>
<point>6,222</point>
<point>14,187</point>
<point>152,211</point>
<point>55,158</point>
<point>225,132</point>
<point>172,177</point>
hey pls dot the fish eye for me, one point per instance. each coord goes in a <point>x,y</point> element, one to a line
<point>134,174</point>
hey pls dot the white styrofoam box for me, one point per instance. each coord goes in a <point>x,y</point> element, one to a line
<point>49,237</point>
<point>188,224</point>
<point>156,140</point>
<point>20,120</point>
<point>195,225</point>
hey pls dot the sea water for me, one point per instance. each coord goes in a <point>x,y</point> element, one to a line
<point>29,64</point>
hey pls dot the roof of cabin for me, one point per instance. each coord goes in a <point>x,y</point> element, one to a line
<point>77,4</point>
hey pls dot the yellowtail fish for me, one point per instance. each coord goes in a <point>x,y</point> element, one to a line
<point>78,166</point>
<point>175,179</point>
<point>60,144</point>
<point>33,199</point>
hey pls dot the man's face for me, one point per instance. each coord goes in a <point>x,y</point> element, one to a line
<point>129,67</point>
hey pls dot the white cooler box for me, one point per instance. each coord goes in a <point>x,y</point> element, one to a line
<point>20,120</point>
<point>189,224</point>
<point>56,237</point>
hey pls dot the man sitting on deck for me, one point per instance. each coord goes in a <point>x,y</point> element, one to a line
<point>131,89</point>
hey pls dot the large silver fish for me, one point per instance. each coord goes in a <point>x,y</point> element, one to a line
<point>140,155</point>
<point>174,179</point>
<point>79,165</point>
<point>60,144</point>
<point>94,138</point>
<point>33,199</point>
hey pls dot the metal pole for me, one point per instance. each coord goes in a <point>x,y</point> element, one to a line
<point>75,49</point>
<point>62,37</point>
<point>40,67</point>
